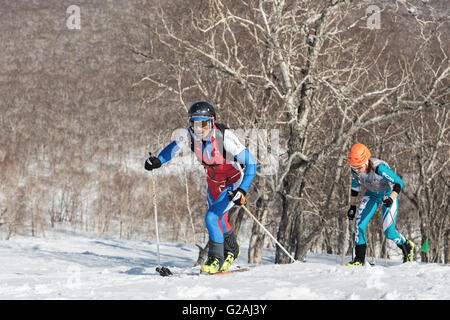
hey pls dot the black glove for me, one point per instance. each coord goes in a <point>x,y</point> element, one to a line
<point>351,212</point>
<point>388,202</point>
<point>237,196</point>
<point>152,163</point>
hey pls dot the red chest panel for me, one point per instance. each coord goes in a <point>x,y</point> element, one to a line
<point>220,172</point>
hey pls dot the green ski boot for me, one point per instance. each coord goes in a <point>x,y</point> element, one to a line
<point>360,256</point>
<point>408,251</point>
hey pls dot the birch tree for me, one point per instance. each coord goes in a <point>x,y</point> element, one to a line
<point>312,69</point>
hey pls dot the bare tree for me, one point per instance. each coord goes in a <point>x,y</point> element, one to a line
<point>294,64</point>
<point>429,140</point>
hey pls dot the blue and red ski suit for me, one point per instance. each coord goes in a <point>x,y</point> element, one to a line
<point>224,159</point>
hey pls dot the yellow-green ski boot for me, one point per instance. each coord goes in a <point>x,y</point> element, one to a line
<point>360,256</point>
<point>355,263</point>
<point>229,260</point>
<point>408,251</point>
<point>211,266</point>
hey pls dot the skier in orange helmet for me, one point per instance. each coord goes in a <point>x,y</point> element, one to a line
<point>382,187</point>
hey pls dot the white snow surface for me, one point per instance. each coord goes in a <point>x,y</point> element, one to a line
<point>72,266</point>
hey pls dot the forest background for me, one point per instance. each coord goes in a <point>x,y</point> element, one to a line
<point>86,94</point>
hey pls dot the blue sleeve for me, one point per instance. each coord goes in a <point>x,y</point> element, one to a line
<point>246,158</point>
<point>168,152</point>
<point>389,175</point>
<point>355,184</point>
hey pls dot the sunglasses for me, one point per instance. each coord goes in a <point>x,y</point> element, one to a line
<point>198,123</point>
<point>357,167</point>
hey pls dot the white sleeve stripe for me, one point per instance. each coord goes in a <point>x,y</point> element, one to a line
<point>231,143</point>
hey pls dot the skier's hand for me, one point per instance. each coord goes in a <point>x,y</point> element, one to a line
<point>237,196</point>
<point>388,202</point>
<point>152,163</point>
<point>351,212</point>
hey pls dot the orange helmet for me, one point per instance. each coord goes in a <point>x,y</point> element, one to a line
<point>358,155</point>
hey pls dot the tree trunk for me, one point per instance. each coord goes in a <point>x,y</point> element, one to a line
<point>235,219</point>
<point>344,237</point>
<point>447,247</point>
<point>258,235</point>
<point>202,254</point>
<point>288,229</point>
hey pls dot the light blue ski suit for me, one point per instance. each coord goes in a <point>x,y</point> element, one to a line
<point>378,183</point>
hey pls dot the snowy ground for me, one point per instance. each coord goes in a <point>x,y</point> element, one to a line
<point>82,267</point>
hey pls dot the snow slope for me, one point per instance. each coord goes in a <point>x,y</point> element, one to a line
<point>82,267</point>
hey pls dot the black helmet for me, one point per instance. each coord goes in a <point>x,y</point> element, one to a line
<point>201,109</point>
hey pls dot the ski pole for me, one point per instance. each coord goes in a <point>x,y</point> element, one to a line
<point>390,213</point>
<point>353,227</point>
<point>163,271</point>
<point>352,223</point>
<point>155,211</point>
<point>268,233</point>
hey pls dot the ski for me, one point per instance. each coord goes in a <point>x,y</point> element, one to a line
<point>165,272</point>
<point>223,273</point>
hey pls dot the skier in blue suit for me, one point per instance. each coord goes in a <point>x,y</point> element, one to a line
<point>382,187</point>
